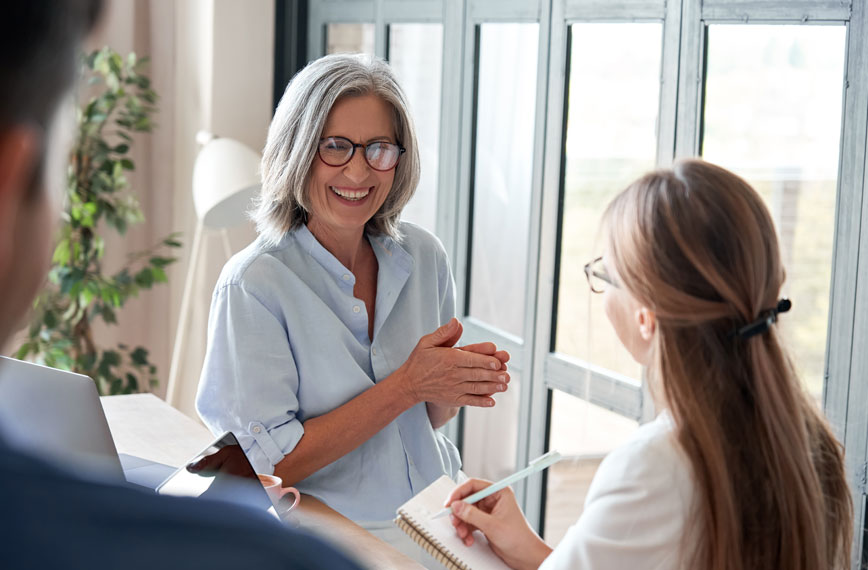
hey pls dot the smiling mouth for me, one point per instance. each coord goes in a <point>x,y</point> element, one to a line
<point>351,195</point>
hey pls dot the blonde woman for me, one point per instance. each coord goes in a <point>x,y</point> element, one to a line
<point>739,471</point>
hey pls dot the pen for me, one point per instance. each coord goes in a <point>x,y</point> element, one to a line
<point>537,464</point>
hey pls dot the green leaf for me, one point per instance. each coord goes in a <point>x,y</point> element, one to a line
<point>123,277</point>
<point>108,315</point>
<point>24,350</point>
<point>119,223</point>
<point>121,148</point>
<point>111,358</point>
<point>61,252</point>
<point>145,278</point>
<point>63,361</point>
<point>116,63</point>
<point>162,261</point>
<point>139,356</point>
<point>132,383</point>
<point>87,361</point>
<point>67,282</point>
<point>87,296</point>
<point>49,319</point>
<point>127,164</point>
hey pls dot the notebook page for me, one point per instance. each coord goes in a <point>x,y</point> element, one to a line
<point>429,502</point>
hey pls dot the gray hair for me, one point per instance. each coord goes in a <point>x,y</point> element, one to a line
<point>293,138</point>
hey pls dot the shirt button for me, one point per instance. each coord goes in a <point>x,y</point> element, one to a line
<point>346,276</point>
<point>374,350</point>
<point>356,308</point>
<point>257,429</point>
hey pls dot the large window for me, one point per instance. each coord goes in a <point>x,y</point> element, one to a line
<point>772,114</point>
<point>416,55</point>
<point>502,183</point>
<point>503,158</point>
<point>611,138</point>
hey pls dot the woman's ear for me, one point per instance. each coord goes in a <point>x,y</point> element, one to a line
<point>647,321</point>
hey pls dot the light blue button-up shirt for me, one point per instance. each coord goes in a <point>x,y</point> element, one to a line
<point>288,341</point>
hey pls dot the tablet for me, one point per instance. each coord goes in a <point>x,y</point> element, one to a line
<point>221,472</point>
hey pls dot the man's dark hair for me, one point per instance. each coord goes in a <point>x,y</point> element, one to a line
<point>39,47</point>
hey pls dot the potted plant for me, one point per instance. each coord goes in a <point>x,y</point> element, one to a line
<point>98,199</point>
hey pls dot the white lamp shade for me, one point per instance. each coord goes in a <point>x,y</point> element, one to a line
<point>225,180</point>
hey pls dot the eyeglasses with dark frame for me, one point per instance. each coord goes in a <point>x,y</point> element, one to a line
<point>380,155</point>
<point>598,276</point>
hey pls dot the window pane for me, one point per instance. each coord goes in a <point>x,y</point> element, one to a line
<point>584,434</point>
<point>613,95</point>
<point>488,449</point>
<point>773,115</point>
<point>416,55</point>
<point>505,109</point>
<point>349,38</point>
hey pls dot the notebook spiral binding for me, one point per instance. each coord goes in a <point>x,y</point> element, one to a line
<point>431,545</point>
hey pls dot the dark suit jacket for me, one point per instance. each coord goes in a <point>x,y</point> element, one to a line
<point>52,519</point>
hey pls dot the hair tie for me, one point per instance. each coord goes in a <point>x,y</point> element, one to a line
<point>767,318</point>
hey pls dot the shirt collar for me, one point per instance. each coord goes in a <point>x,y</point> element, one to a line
<point>391,257</point>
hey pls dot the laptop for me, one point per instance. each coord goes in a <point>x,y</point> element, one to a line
<point>56,415</point>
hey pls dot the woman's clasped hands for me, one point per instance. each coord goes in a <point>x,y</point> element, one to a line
<point>440,373</point>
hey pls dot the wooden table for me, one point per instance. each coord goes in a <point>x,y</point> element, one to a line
<point>146,426</point>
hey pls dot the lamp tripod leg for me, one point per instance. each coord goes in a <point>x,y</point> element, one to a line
<point>183,317</point>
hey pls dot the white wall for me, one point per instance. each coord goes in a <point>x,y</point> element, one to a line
<point>224,76</point>
<point>212,65</point>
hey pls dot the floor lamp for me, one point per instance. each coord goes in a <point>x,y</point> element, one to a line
<point>225,179</point>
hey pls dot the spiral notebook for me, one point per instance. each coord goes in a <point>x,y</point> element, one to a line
<point>438,537</point>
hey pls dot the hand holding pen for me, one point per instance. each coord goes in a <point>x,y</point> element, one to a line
<point>497,515</point>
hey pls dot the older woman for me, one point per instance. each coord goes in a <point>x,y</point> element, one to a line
<point>331,337</point>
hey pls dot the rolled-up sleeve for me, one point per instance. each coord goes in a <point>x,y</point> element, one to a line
<point>249,382</point>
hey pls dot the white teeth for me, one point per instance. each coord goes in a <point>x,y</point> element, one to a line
<point>350,194</point>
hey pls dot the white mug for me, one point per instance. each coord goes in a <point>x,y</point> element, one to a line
<point>276,491</point>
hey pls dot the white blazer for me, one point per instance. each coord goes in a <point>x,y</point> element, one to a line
<point>636,510</point>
